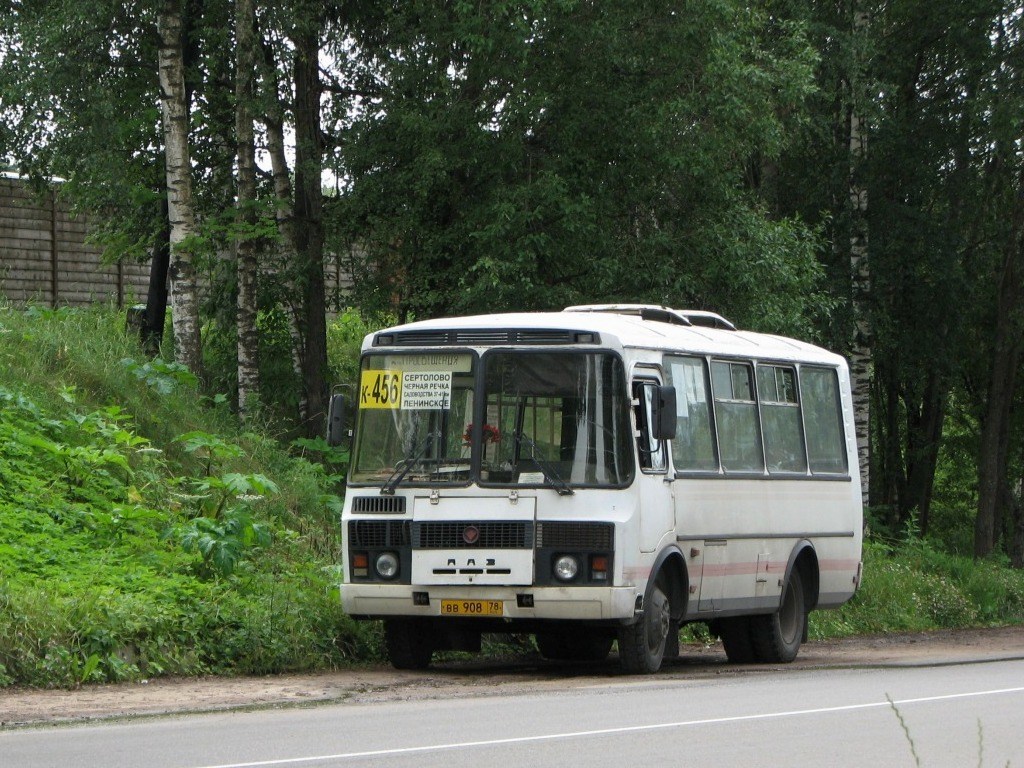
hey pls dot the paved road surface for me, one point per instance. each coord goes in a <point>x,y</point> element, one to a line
<point>947,714</point>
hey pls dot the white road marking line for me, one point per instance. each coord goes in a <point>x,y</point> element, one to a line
<point>609,731</point>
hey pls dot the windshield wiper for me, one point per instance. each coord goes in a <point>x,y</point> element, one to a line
<point>402,469</point>
<point>561,487</point>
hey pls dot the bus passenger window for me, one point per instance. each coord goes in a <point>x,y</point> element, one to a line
<point>819,388</point>
<point>780,419</point>
<point>739,435</point>
<point>693,448</point>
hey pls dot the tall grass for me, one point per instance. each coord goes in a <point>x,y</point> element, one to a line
<point>911,587</point>
<point>128,551</point>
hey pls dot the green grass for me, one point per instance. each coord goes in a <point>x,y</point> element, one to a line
<point>141,532</point>
<point>912,587</point>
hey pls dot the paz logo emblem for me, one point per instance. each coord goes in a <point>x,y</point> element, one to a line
<point>470,534</point>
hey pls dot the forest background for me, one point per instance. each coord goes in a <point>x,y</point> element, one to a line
<point>847,172</point>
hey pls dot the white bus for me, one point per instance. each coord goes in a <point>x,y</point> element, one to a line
<point>603,474</point>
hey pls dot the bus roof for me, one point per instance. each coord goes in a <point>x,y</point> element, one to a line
<point>618,326</point>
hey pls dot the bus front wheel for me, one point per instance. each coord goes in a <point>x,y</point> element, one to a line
<point>642,644</point>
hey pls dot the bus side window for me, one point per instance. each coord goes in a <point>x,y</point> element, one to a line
<point>653,456</point>
<point>739,432</point>
<point>823,417</point>
<point>780,418</point>
<point>693,448</point>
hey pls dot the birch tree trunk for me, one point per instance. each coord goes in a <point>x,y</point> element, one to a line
<point>860,351</point>
<point>181,271</point>
<point>246,261</point>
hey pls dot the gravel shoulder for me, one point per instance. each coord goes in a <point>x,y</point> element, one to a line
<point>164,696</point>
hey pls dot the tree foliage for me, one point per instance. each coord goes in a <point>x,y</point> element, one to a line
<point>528,154</point>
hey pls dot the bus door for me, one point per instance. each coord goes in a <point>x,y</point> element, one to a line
<point>656,502</point>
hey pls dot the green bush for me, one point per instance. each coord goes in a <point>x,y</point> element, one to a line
<point>912,587</point>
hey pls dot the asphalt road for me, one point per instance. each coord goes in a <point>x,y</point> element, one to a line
<point>941,715</point>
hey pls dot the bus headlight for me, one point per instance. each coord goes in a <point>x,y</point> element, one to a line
<point>387,565</point>
<point>566,567</point>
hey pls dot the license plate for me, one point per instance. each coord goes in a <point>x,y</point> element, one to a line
<point>471,608</point>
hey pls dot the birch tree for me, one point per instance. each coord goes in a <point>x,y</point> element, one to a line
<point>860,347</point>
<point>175,120</point>
<point>246,253</point>
<point>274,70</point>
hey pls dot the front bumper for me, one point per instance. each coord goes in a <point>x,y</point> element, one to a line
<point>566,603</point>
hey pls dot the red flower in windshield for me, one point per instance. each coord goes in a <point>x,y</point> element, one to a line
<point>490,433</point>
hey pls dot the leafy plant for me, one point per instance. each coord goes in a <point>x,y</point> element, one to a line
<point>222,527</point>
<point>161,375</point>
<point>210,448</point>
<point>335,455</point>
<point>223,542</point>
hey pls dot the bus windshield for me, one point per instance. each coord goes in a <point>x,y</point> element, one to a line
<point>414,411</point>
<point>552,419</point>
<point>555,418</point>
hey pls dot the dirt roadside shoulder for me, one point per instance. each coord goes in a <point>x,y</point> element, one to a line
<point>25,707</point>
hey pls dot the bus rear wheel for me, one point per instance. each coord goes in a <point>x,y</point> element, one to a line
<point>410,643</point>
<point>735,632</point>
<point>642,644</point>
<point>777,636</point>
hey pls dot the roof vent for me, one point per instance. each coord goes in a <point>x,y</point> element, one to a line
<point>707,319</point>
<point>660,314</point>
<point>653,312</point>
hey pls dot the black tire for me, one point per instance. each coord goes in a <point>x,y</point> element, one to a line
<point>642,644</point>
<point>737,639</point>
<point>575,644</point>
<point>410,643</point>
<point>777,636</point>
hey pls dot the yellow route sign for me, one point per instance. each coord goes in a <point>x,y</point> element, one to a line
<point>408,390</point>
<point>380,389</point>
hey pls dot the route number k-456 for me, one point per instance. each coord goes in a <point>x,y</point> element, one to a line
<point>380,389</point>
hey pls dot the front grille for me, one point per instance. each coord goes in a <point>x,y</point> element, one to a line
<point>379,504</point>
<point>375,534</point>
<point>544,337</point>
<point>481,337</point>
<point>421,339</point>
<point>490,535</point>
<point>585,536</point>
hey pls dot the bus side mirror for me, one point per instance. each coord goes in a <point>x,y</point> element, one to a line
<point>663,416</point>
<point>336,420</point>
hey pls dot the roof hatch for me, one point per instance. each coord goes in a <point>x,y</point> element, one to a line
<point>659,314</point>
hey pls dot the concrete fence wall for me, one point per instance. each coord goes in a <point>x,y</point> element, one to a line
<point>44,256</point>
